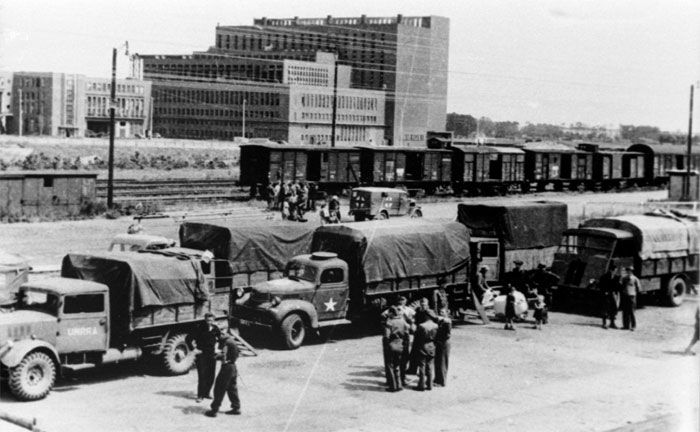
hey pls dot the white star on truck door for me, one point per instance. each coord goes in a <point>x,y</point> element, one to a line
<point>330,305</point>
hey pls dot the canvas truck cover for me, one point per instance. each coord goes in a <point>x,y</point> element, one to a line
<point>656,235</point>
<point>138,280</point>
<point>394,249</point>
<point>524,225</point>
<point>250,248</point>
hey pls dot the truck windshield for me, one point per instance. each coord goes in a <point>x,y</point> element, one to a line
<point>586,246</point>
<point>38,300</point>
<point>303,272</point>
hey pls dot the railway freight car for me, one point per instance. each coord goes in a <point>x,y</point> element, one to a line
<point>556,165</point>
<point>614,167</point>
<point>661,158</point>
<point>405,166</point>
<point>479,169</point>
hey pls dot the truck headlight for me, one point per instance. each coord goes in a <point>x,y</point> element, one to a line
<point>276,301</point>
<point>239,292</point>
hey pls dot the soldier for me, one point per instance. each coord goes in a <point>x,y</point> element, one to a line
<point>481,285</point>
<point>696,335</point>
<point>226,380</point>
<point>442,347</point>
<point>394,341</point>
<point>610,291</point>
<point>630,286</point>
<point>424,345</point>
<point>510,307</point>
<point>517,277</point>
<point>543,280</point>
<point>205,338</point>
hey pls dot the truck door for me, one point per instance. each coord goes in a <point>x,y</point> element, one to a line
<point>331,295</point>
<point>83,323</point>
<point>489,254</point>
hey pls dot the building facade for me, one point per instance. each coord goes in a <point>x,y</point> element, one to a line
<point>5,100</point>
<point>59,104</point>
<point>405,57</point>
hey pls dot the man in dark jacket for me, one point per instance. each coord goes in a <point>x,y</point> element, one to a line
<point>442,347</point>
<point>395,340</point>
<point>424,344</point>
<point>610,291</point>
<point>630,286</point>
<point>226,380</point>
<point>203,341</point>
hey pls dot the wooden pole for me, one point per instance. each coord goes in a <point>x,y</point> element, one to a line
<point>686,183</point>
<point>112,109</point>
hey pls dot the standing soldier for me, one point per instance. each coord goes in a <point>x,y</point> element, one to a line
<point>442,347</point>
<point>630,287</point>
<point>395,340</point>
<point>510,307</point>
<point>481,285</point>
<point>696,335</point>
<point>517,277</point>
<point>610,291</point>
<point>226,380</point>
<point>425,345</point>
<point>205,338</point>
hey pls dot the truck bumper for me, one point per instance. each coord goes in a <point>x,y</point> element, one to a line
<point>247,316</point>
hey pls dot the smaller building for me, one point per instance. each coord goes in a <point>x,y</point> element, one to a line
<point>59,104</point>
<point>5,99</point>
<point>51,194</point>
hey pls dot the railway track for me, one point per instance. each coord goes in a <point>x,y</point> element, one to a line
<point>131,191</point>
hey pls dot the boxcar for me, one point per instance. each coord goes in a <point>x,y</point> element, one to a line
<point>555,164</point>
<point>661,158</point>
<point>333,168</point>
<point>262,164</point>
<point>416,167</point>
<point>615,167</point>
<point>477,168</point>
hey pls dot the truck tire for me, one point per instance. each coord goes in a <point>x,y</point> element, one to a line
<point>675,291</point>
<point>292,331</point>
<point>34,377</point>
<point>383,215</point>
<point>417,213</point>
<point>177,357</point>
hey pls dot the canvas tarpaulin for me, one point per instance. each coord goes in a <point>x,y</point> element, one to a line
<point>526,225</point>
<point>396,249</point>
<point>656,236</point>
<point>250,248</point>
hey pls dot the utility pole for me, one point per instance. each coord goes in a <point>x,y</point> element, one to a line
<point>335,99</point>
<point>112,109</point>
<point>243,128</point>
<point>686,183</point>
<point>150,118</point>
<point>19,122</point>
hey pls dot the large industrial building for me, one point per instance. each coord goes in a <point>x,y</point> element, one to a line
<point>395,70</point>
<point>59,104</point>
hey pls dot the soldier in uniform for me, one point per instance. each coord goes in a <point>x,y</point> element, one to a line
<point>510,307</point>
<point>226,380</point>
<point>481,285</point>
<point>424,345</point>
<point>395,340</point>
<point>630,286</point>
<point>696,335</point>
<point>517,277</point>
<point>203,341</point>
<point>442,347</point>
<point>610,291</point>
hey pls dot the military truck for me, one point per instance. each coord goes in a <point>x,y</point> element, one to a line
<point>108,308</point>
<point>356,268</point>
<point>663,248</point>
<point>505,232</point>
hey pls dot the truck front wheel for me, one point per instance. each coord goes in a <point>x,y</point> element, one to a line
<point>177,356</point>
<point>33,378</point>
<point>292,331</point>
<point>675,291</point>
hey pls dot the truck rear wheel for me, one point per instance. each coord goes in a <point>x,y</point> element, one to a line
<point>675,291</point>
<point>177,356</point>
<point>292,331</point>
<point>33,378</point>
<point>383,215</point>
<point>417,213</point>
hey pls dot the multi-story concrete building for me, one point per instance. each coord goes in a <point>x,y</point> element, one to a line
<point>59,104</point>
<point>294,104</point>
<point>406,57</point>
<point>5,99</point>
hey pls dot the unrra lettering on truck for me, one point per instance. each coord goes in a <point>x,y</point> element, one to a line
<point>354,270</point>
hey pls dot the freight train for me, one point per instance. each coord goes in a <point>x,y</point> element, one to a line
<point>465,167</point>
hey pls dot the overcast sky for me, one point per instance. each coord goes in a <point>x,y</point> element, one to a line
<point>601,62</point>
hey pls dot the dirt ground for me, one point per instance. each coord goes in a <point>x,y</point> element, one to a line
<point>571,376</point>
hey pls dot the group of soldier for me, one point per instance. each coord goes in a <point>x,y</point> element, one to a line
<point>294,199</point>
<point>416,342</point>
<point>619,291</point>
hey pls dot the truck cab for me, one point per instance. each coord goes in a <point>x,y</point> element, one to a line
<point>314,293</point>
<point>486,251</point>
<point>52,320</point>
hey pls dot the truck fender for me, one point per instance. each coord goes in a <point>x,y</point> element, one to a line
<point>288,306</point>
<point>20,349</point>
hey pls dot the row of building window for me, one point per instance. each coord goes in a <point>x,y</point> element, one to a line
<point>217,97</point>
<point>214,69</point>
<point>214,112</point>
<point>345,133</point>
<point>357,118</point>
<point>98,106</point>
<point>303,75</point>
<point>344,102</point>
<point>227,134</point>
<point>301,41</point>
<point>121,88</point>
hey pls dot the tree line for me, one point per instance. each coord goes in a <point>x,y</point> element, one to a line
<point>467,126</point>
